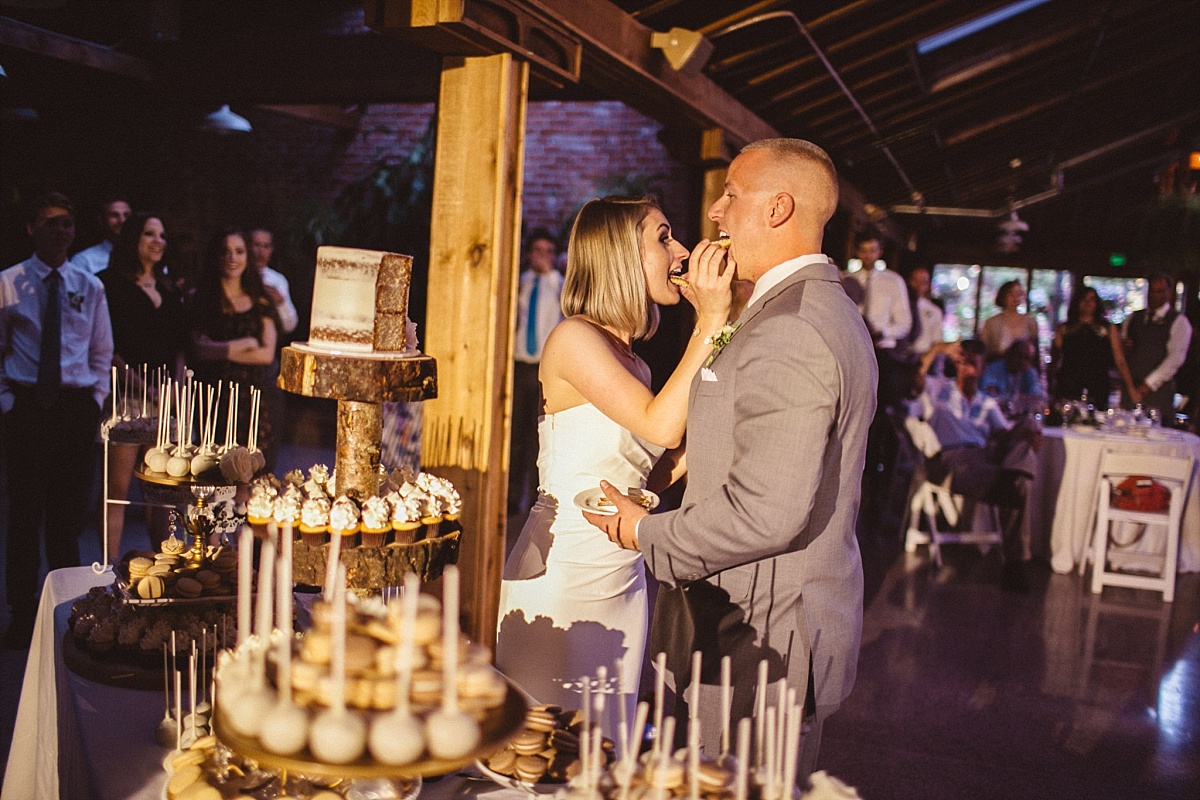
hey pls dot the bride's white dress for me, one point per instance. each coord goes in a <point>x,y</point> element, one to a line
<point>571,600</point>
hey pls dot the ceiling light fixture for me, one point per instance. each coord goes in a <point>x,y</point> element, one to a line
<point>982,22</point>
<point>684,50</point>
<point>223,121</point>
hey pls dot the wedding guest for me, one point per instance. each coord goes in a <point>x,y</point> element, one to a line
<point>761,559</point>
<point>55,360</point>
<point>927,315</point>
<point>538,311</point>
<point>147,323</point>
<point>887,313</point>
<point>232,331</point>
<point>274,282</point>
<point>988,457</point>
<point>1013,380</point>
<point>1001,330</point>
<point>1084,351</point>
<point>1157,340</point>
<point>113,213</point>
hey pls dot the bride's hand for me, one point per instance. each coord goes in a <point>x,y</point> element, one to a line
<point>710,273</point>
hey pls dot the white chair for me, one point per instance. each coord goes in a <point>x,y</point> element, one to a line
<point>929,499</point>
<point>1112,567</point>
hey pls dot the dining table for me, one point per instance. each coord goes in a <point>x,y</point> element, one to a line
<point>77,738</point>
<point>1061,512</point>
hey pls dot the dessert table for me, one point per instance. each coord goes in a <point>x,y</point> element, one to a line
<point>76,738</point>
<point>1062,503</point>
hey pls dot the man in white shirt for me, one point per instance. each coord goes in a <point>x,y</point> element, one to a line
<point>1157,340</point>
<point>56,350</point>
<point>114,211</point>
<point>965,435</point>
<point>927,323</point>
<point>538,311</point>
<point>262,248</point>
<point>886,311</point>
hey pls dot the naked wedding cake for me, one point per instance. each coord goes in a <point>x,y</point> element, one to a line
<point>360,301</point>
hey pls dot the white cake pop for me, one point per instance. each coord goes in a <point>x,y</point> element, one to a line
<point>451,733</point>
<point>284,729</point>
<point>157,459</point>
<point>398,737</point>
<point>337,736</point>
<point>178,465</point>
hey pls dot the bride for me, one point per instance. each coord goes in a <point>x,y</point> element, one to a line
<point>571,601</point>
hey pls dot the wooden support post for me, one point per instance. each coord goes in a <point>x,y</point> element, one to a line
<point>714,157</point>
<point>473,263</point>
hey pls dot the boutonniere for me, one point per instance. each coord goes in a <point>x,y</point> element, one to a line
<point>719,339</point>
<point>76,300</point>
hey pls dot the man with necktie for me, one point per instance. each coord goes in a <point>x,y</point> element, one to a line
<point>1156,341</point>
<point>55,356</point>
<point>538,311</point>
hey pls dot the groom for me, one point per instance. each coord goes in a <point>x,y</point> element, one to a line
<point>762,551</point>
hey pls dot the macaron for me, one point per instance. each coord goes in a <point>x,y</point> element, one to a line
<point>208,579</point>
<point>188,587</point>
<point>150,587</point>
<point>530,768</point>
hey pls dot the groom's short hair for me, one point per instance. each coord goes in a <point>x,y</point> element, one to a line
<point>605,280</point>
<point>803,153</point>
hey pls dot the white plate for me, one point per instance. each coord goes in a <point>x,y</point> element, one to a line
<point>590,500</point>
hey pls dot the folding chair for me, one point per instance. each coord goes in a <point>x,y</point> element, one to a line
<point>930,498</point>
<point>1111,566</point>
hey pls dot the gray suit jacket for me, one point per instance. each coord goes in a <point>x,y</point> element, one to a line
<point>765,537</point>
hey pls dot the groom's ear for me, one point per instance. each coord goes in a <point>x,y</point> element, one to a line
<point>781,209</point>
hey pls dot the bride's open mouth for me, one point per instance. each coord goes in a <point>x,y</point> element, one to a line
<point>675,276</point>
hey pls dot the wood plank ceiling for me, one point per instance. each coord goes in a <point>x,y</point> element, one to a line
<point>1068,112</point>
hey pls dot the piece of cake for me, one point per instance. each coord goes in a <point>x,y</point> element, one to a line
<point>360,300</point>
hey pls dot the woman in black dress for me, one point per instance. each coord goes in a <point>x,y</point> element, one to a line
<point>1085,348</point>
<point>232,331</point>
<point>147,324</point>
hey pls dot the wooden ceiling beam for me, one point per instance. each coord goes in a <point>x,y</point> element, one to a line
<point>39,41</point>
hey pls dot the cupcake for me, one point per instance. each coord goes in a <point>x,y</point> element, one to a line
<point>314,521</point>
<point>286,511</point>
<point>260,508</point>
<point>344,521</point>
<point>443,490</point>
<point>406,518</point>
<point>376,521</point>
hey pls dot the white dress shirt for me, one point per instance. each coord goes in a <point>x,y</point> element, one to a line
<point>1177,346</point>
<point>548,311</point>
<point>273,279</point>
<point>95,258</point>
<point>931,326</point>
<point>780,272</point>
<point>87,343</point>
<point>885,305</point>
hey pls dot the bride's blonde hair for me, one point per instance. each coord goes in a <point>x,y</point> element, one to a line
<point>605,280</point>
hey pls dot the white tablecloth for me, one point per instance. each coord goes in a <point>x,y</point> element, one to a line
<point>75,738</point>
<point>1063,502</point>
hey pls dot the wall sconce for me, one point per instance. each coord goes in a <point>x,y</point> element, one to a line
<point>684,49</point>
<point>224,121</point>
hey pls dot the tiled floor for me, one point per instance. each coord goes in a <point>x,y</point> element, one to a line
<point>966,691</point>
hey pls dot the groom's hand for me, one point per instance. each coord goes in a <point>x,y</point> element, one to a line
<point>621,527</point>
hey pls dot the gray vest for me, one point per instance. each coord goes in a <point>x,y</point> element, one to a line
<point>1150,339</point>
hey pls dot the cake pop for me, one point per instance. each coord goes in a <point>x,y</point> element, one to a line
<point>451,732</point>
<point>285,727</point>
<point>397,737</point>
<point>338,736</point>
